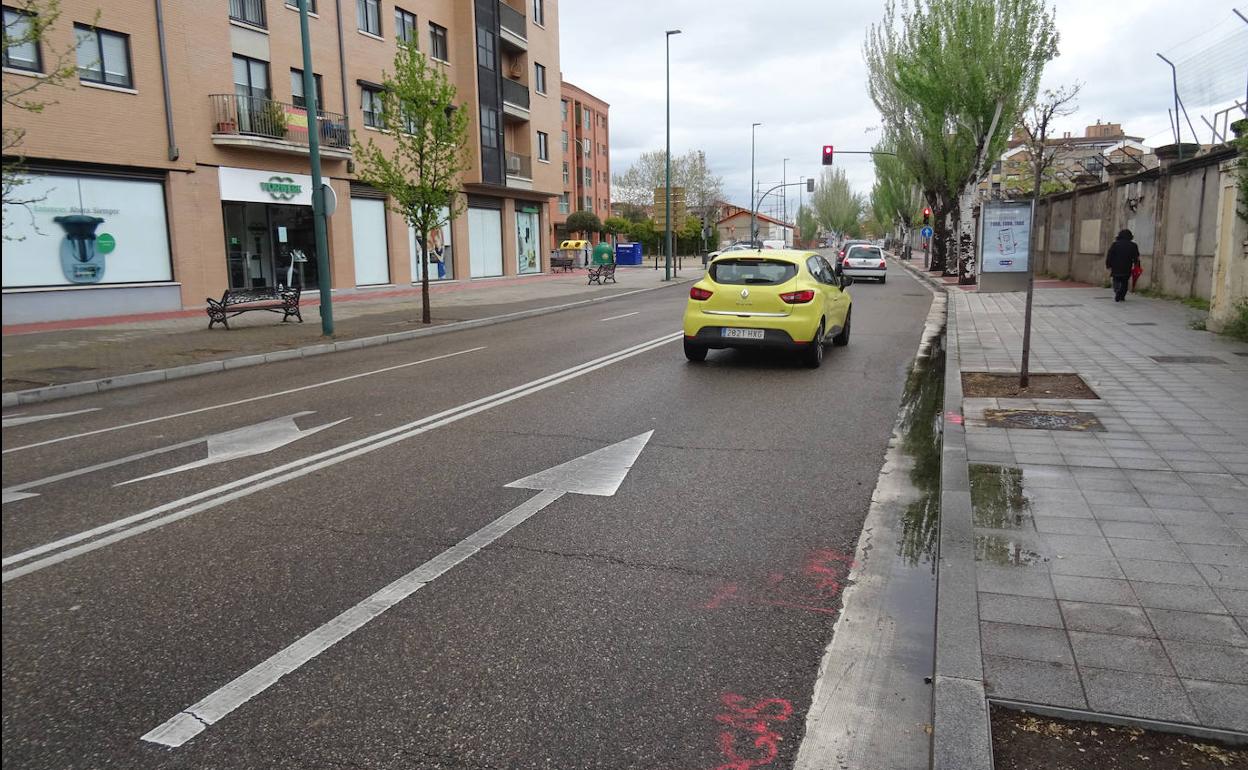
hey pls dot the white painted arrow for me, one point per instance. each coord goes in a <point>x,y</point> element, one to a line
<point>598,473</point>
<point>22,419</point>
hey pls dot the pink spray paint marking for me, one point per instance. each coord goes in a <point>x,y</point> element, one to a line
<point>953,418</point>
<point>748,738</point>
<point>816,587</point>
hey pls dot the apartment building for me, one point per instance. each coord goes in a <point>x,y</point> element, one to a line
<point>176,166</point>
<point>585,140</point>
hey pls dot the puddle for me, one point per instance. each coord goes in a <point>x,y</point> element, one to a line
<point>997,500</point>
<point>920,427</point>
<point>1005,551</point>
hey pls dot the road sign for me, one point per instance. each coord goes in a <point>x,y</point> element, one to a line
<point>598,473</point>
<point>926,232</point>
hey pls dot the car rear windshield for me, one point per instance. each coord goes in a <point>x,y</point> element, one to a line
<point>752,271</point>
<point>865,252</point>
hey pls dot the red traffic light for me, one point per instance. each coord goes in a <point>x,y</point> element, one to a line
<point>827,154</point>
<point>927,211</point>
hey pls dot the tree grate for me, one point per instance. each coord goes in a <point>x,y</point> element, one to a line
<point>1187,360</point>
<point>1038,419</point>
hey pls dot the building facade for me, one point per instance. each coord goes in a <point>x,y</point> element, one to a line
<point>175,166</point>
<point>736,227</point>
<point>585,140</point>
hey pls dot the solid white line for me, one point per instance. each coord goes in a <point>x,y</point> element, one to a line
<point>617,317</point>
<point>24,419</point>
<point>198,717</point>
<point>241,401</point>
<point>219,495</point>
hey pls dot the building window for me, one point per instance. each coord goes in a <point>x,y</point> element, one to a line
<point>587,147</point>
<point>564,104</point>
<point>587,176</point>
<point>368,16</point>
<point>297,96</point>
<point>539,78</point>
<point>248,11</point>
<point>370,100</point>
<point>485,49</point>
<point>295,4</point>
<point>21,50</point>
<point>405,27</point>
<point>539,12</point>
<point>566,176</point>
<point>585,117</point>
<point>251,79</point>
<point>489,127</point>
<point>543,146</point>
<point>564,205</point>
<point>564,139</point>
<point>589,203</point>
<point>103,56</point>
<point>438,48</point>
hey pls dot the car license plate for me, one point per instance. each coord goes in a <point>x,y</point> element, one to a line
<point>743,334</point>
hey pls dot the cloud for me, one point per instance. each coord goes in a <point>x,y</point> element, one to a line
<point>796,66</point>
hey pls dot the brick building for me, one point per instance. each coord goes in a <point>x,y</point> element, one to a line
<point>585,140</point>
<point>185,135</point>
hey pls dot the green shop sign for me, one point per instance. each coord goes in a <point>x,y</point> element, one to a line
<point>281,188</point>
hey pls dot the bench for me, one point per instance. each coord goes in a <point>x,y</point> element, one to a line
<point>566,264</point>
<point>603,273</point>
<point>273,299</point>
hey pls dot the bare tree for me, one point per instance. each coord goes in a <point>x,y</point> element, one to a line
<point>1035,125</point>
<point>636,184</point>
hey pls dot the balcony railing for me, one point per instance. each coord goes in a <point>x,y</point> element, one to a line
<point>516,93</point>
<point>238,115</point>
<point>513,21</point>
<point>519,165</point>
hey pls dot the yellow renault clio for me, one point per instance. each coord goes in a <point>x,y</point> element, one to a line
<point>781,298</point>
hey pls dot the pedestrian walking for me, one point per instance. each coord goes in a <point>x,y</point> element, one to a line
<point>1121,259</point>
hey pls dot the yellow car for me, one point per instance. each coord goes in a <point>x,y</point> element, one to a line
<point>781,298</point>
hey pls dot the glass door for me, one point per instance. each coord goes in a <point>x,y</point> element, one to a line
<point>294,244</point>
<point>251,93</point>
<point>248,245</point>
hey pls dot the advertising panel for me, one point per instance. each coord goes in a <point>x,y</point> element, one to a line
<point>1006,238</point>
<point>527,238</point>
<point>441,264</point>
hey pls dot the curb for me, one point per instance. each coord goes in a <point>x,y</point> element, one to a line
<point>87,387</point>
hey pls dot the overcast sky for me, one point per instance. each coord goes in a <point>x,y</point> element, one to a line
<point>796,66</point>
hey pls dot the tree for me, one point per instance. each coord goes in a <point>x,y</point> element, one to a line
<point>836,206</point>
<point>584,222</point>
<point>895,197</point>
<point>951,78</point>
<point>636,185</point>
<point>1035,125</point>
<point>807,225</point>
<point>29,26</point>
<point>616,225</point>
<point>427,142</point>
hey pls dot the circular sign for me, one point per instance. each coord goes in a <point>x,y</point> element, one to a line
<point>926,232</point>
<point>105,243</point>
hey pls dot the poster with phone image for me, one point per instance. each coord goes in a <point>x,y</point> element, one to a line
<point>1005,237</point>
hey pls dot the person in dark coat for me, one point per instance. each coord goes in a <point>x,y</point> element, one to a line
<point>1123,255</point>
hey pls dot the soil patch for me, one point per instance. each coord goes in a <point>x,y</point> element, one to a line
<point>1005,385</point>
<point>1022,741</point>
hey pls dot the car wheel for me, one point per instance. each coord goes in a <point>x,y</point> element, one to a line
<point>842,339</point>
<point>882,280</point>
<point>695,352</point>
<point>813,355</point>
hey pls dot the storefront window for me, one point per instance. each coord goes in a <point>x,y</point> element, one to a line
<point>528,241</point>
<point>269,245</point>
<point>441,261</point>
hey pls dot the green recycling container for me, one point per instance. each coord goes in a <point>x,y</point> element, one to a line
<point>603,254</point>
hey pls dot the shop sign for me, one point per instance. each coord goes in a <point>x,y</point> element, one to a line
<point>281,188</point>
<point>260,186</point>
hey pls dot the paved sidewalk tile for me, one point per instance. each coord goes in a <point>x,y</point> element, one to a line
<point>1220,704</point>
<point>1145,656</point>
<point>1197,627</point>
<point>1106,618</point>
<point>1137,695</point>
<point>1033,681</point>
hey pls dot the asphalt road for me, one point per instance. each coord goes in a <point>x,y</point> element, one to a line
<point>675,625</point>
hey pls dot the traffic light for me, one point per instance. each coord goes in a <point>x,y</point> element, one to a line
<point>927,214</point>
<point>827,155</point>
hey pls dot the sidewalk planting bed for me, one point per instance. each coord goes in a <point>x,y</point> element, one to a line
<point>995,385</point>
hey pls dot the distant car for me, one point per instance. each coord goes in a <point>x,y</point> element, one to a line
<point>780,298</point>
<point>865,261</point>
<point>738,246</point>
<point>846,246</point>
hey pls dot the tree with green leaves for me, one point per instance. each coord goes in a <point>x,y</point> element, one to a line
<point>807,224</point>
<point>836,206</point>
<point>420,164</point>
<point>951,79</point>
<point>895,197</point>
<point>586,222</point>
<point>27,29</point>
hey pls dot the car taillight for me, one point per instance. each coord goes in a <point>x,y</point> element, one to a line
<point>883,264</point>
<point>698,292</point>
<point>798,297</point>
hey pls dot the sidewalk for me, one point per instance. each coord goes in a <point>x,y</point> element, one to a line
<point>38,355</point>
<point>1106,564</point>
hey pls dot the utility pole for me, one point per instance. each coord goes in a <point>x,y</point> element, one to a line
<point>318,194</point>
<point>753,191</point>
<point>784,209</point>
<point>667,265</point>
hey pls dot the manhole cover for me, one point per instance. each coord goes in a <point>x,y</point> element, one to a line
<point>1036,419</point>
<point>1187,360</point>
<point>1074,305</point>
<point>1140,323</point>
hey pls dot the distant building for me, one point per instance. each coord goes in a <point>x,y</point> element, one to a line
<point>736,227</point>
<point>586,143</point>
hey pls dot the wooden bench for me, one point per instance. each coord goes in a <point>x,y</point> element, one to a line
<point>566,264</point>
<point>273,299</point>
<point>603,273</point>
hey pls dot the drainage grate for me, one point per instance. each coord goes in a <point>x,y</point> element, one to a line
<point>1140,323</point>
<point>1036,419</point>
<point>1187,360</point>
<point>1075,305</point>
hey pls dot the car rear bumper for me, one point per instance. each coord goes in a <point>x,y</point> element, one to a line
<point>865,272</point>
<point>713,337</point>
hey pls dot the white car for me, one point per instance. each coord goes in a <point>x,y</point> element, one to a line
<point>865,261</point>
<point>738,246</point>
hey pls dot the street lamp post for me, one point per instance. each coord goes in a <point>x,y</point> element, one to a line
<point>667,198</point>
<point>753,192</point>
<point>318,194</point>
<point>784,209</point>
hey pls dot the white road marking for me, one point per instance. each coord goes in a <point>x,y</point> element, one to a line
<point>240,488</point>
<point>10,497</point>
<point>617,317</point>
<point>201,410</point>
<point>606,469</point>
<point>22,419</point>
<point>248,441</point>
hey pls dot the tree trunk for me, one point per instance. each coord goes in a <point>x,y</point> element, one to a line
<point>425,316</point>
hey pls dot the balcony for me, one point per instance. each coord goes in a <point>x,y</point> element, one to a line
<point>263,124</point>
<point>514,29</point>
<point>519,170</point>
<point>515,100</point>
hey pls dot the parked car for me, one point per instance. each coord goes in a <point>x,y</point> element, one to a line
<point>780,298</point>
<point>865,261</point>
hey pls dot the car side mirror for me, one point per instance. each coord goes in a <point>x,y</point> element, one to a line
<point>846,281</point>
